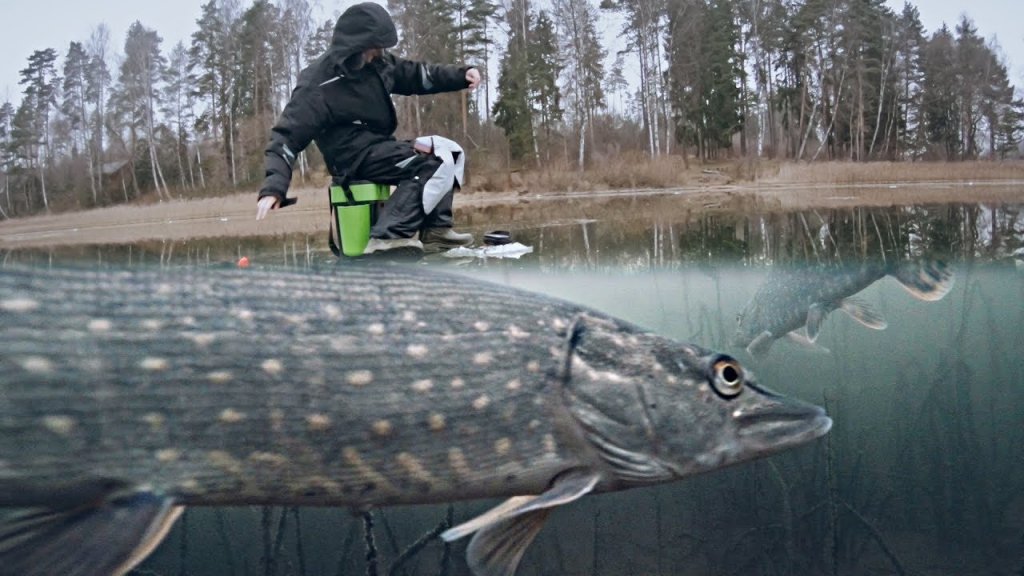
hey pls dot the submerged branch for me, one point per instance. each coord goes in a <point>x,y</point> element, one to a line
<point>417,546</point>
<point>371,546</point>
<point>877,536</point>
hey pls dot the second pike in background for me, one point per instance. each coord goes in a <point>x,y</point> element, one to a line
<point>795,298</point>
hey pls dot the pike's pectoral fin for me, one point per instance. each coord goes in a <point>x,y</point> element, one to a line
<point>927,280</point>
<point>503,533</point>
<point>815,317</point>
<point>760,345</point>
<point>804,342</point>
<point>497,549</point>
<point>105,537</point>
<point>863,313</point>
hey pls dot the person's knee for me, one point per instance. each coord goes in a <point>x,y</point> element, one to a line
<point>429,167</point>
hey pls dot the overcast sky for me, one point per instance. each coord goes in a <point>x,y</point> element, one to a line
<point>39,24</point>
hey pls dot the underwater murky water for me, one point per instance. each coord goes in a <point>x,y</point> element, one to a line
<point>922,473</point>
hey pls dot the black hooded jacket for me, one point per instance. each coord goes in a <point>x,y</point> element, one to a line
<point>346,107</point>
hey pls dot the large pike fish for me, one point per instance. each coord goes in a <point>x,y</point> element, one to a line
<point>794,298</point>
<point>128,394</point>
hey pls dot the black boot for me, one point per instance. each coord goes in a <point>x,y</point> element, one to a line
<point>438,239</point>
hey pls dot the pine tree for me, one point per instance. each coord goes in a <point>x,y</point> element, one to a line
<point>764,27</point>
<point>616,85</point>
<point>33,118</point>
<point>997,107</point>
<point>24,151</point>
<point>474,21</point>
<point>528,107</point>
<point>213,58</point>
<point>704,63</point>
<point>428,33</point>
<point>137,97</point>
<point>909,137</point>
<point>940,103</point>
<point>971,63</point>
<point>319,40</point>
<point>512,112</point>
<point>178,109</point>
<point>721,74</point>
<point>75,106</point>
<point>869,40</point>
<point>543,70</point>
<point>260,63</point>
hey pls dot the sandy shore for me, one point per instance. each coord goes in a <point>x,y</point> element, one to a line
<point>235,215</point>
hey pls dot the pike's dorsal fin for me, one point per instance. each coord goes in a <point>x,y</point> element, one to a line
<point>503,533</point>
<point>577,327</point>
<point>927,280</point>
<point>863,313</point>
<point>759,345</point>
<point>105,538</point>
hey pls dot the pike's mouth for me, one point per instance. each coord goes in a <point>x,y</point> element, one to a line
<point>776,425</point>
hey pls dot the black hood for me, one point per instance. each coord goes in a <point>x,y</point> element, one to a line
<point>363,26</point>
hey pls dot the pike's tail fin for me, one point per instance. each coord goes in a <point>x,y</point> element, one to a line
<point>100,538</point>
<point>927,280</point>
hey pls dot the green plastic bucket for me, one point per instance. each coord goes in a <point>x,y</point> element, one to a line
<point>353,218</point>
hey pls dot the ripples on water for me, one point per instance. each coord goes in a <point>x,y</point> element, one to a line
<point>923,472</point>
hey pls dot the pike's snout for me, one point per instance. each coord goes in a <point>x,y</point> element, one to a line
<point>779,421</point>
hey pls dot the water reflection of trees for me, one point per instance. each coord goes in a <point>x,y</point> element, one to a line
<point>963,232</point>
<point>298,250</point>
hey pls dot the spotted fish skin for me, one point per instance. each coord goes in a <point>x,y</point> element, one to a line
<point>358,387</point>
<point>361,388</point>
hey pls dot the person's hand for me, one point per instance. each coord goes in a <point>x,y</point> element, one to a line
<point>473,77</point>
<point>265,205</point>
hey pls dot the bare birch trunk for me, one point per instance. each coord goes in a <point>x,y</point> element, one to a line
<point>828,131</point>
<point>181,166</point>
<point>7,193</point>
<point>42,177</point>
<point>191,167</point>
<point>583,144</point>
<point>231,139</point>
<point>199,163</point>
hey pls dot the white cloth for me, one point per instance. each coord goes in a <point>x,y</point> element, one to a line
<point>513,250</point>
<point>451,172</point>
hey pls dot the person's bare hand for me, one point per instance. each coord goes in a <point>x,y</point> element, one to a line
<point>473,77</point>
<point>265,205</point>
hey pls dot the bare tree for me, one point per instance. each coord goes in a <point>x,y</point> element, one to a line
<point>576,20</point>
<point>96,89</point>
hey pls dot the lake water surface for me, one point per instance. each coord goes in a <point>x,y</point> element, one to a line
<point>922,473</point>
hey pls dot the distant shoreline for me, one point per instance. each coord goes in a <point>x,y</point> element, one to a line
<point>793,187</point>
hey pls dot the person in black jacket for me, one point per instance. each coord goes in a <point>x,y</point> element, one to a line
<point>343,101</point>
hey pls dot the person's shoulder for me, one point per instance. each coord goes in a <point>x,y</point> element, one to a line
<point>318,72</point>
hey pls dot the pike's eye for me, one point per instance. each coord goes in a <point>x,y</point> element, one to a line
<point>727,377</point>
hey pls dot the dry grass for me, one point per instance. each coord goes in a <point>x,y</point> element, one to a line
<point>624,171</point>
<point>637,170</point>
<point>885,172</point>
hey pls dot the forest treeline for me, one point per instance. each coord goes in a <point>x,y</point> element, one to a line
<point>102,121</point>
